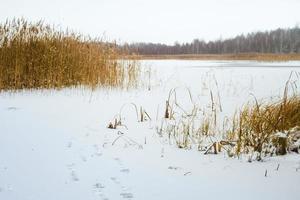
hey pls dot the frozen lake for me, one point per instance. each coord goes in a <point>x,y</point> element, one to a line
<point>234,78</point>
<point>55,145</point>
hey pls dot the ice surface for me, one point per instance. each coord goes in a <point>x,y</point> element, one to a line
<point>55,145</point>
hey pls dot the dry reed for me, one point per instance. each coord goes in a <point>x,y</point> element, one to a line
<point>35,55</point>
<point>257,126</point>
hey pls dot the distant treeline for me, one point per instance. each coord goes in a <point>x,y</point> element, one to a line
<point>276,41</point>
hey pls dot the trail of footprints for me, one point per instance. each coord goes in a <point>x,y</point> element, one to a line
<point>124,192</point>
<point>98,191</point>
<point>99,188</point>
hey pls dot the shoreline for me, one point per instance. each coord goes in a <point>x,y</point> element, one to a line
<point>252,56</point>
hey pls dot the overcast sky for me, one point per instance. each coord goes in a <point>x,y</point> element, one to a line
<point>163,21</point>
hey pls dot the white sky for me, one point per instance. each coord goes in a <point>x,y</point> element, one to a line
<point>164,21</point>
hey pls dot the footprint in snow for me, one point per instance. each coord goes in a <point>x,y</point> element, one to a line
<point>70,166</point>
<point>125,191</point>
<point>119,161</point>
<point>98,153</point>
<point>126,170</point>
<point>126,195</point>
<point>115,180</point>
<point>83,158</point>
<point>187,173</point>
<point>12,108</point>
<point>74,176</point>
<point>70,144</point>
<point>174,168</point>
<point>98,187</point>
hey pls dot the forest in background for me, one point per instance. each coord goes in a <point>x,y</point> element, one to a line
<point>279,41</point>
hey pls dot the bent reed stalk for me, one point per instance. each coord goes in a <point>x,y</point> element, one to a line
<point>35,55</point>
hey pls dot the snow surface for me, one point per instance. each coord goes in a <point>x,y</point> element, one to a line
<point>54,145</point>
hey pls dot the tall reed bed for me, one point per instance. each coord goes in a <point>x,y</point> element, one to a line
<point>36,55</point>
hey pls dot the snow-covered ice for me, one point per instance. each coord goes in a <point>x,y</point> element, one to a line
<point>55,145</point>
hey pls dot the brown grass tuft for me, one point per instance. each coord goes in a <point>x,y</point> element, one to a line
<point>256,126</point>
